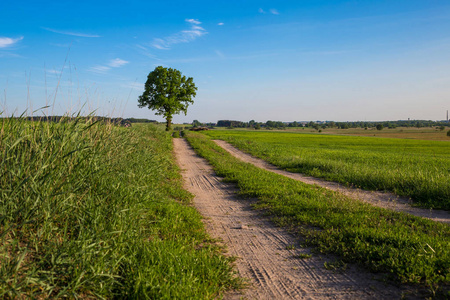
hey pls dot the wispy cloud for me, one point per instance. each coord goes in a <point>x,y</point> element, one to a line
<point>221,24</point>
<point>79,34</point>
<point>117,62</point>
<point>134,86</point>
<point>113,63</point>
<point>6,42</point>
<point>220,54</point>
<point>145,51</point>
<point>184,36</point>
<point>193,21</point>
<point>272,11</point>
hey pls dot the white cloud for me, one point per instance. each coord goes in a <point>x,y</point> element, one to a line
<point>274,11</point>
<point>134,86</point>
<point>220,24</point>
<point>117,62</point>
<point>99,69</point>
<point>184,36</point>
<point>220,54</point>
<point>72,33</point>
<point>193,21</point>
<point>6,42</point>
<point>113,63</point>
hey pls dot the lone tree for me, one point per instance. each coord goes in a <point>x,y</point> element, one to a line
<point>167,92</point>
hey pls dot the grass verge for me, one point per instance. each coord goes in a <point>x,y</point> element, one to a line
<point>92,210</point>
<point>408,249</point>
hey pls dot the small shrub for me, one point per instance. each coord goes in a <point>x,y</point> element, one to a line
<point>448,133</point>
<point>380,127</point>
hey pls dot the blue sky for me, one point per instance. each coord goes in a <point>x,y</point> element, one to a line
<point>262,60</point>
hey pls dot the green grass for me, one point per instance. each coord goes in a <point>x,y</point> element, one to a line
<point>91,210</point>
<point>414,168</point>
<point>408,249</point>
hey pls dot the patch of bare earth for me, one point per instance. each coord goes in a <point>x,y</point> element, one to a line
<point>268,256</point>
<point>380,199</point>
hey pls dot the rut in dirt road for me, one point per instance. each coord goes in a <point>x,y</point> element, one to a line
<point>267,255</point>
<point>380,199</point>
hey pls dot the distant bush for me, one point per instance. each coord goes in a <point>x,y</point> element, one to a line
<point>448,133</point>
<point>380,127</point>
<point>176,134</point>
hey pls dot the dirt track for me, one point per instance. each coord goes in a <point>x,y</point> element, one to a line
<point>380,199</point>
<point>267,255</point>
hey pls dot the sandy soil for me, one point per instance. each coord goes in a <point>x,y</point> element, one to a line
<point>380,199</point>
<point>267,255</point>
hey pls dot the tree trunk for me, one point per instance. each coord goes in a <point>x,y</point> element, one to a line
<point>168,123</point>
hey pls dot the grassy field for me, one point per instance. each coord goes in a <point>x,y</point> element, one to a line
<point>427,133</point>
<point>92,210</point>
<point>414,168</point>
<point>407,249</point>
<point>423,133</point>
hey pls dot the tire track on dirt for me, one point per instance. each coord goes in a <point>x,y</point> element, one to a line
<point>268,255</point>
<point>381,199</point>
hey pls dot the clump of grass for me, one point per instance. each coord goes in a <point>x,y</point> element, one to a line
<point>303,256</point>
<point>396,244</point>
<point>336,266</point>
<point>92,210</point>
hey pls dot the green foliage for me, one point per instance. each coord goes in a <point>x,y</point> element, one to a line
<point>167,92</point>
<point>414,168</point>
<point>448,133</point>
<point>380,127</point>
<point>407,248</point>
<point>337,265</point>
<point>303,256</point>
<point>93,210</point>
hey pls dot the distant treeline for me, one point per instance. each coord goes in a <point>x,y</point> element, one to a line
<point>92,118</point>
<point>329,124</point>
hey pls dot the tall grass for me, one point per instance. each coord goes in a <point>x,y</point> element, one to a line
<point>92,210</point>
<point>408,249</point>
<point>413,168</point>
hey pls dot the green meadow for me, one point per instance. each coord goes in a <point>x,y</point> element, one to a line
<point>404,248</point>
<point>414,168</point>
<point>93,210</point>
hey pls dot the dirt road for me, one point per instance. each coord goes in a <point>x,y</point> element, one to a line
<point>380,199</point>
<point>268,256</point>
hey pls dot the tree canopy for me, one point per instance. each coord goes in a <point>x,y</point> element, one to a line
<point>168,92</point>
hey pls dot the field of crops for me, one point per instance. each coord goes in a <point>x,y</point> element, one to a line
<point>93,210</point>
<point>414,168</point>
<point>407,249</point>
